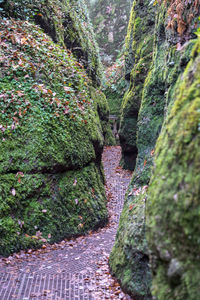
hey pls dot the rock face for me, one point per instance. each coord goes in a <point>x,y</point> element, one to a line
<point>139,48</point>
<point>173,199</point>
<point>52,127</point>
<point>157,91</point>
<point>110,19</point>
<point>67,23</point>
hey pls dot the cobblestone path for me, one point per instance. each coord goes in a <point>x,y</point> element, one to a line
<point>76,269</point>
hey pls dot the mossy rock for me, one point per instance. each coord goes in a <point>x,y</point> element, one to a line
<point>58,206</point>
<point>52,129</point>
<point>103,110</point>
<point>173,198</point>
<point>139,47</point>
<point>67,23</point>
<point>129,259</point>
<point>158,92</point>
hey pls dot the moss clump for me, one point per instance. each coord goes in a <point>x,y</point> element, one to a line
<point>102,112</point>
<point>52,140</point>
<point>173,197</point>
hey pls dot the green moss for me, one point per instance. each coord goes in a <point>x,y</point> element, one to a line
<point>157,93</point>
<point>114,85</point>
<point>139,47</point>
<point>52,132</point>
<point>102,113</point>
<point>173,205</point>
<point>56,205</point>
<point>129,257</point>
<point>67,22</point>
<point>134,276</point>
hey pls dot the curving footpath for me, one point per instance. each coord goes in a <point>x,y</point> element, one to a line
<point>76,269</point>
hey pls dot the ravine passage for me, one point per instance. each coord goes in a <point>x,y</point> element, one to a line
<point>76,269</point>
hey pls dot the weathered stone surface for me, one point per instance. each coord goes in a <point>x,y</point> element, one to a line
<point>139,48</point>
<point>52,127</point>
<point>173,197</point>
<point>67,22</point>
<point>157,99</point>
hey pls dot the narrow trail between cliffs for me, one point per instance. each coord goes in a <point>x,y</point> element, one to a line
<point>76,269</point>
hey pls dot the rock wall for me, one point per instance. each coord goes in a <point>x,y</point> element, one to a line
<point>173,206</point>
<point>52,127</point>
<point>67,23</point>
<point>139,51</point>
<point>157,91</point>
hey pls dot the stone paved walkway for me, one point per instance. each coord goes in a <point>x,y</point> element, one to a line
<point>76,269</point>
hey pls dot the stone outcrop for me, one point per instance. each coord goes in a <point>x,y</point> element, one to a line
<point>156,94</point>
<point>173,197</point>
<point>139,51</point>
<point>52,126</point>
<point>67,23</point>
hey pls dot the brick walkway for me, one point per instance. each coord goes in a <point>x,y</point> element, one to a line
<point>76,269</point>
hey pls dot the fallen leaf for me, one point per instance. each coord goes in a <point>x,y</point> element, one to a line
<point>75,182</point>
<point>13,191</point>
<point>152,152</point>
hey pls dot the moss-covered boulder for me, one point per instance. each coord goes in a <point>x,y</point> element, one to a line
<point>51,141</point>
<point>173,207</point>
<point>115,85</point>
<point>67,22</point>
<point>170,57</point>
